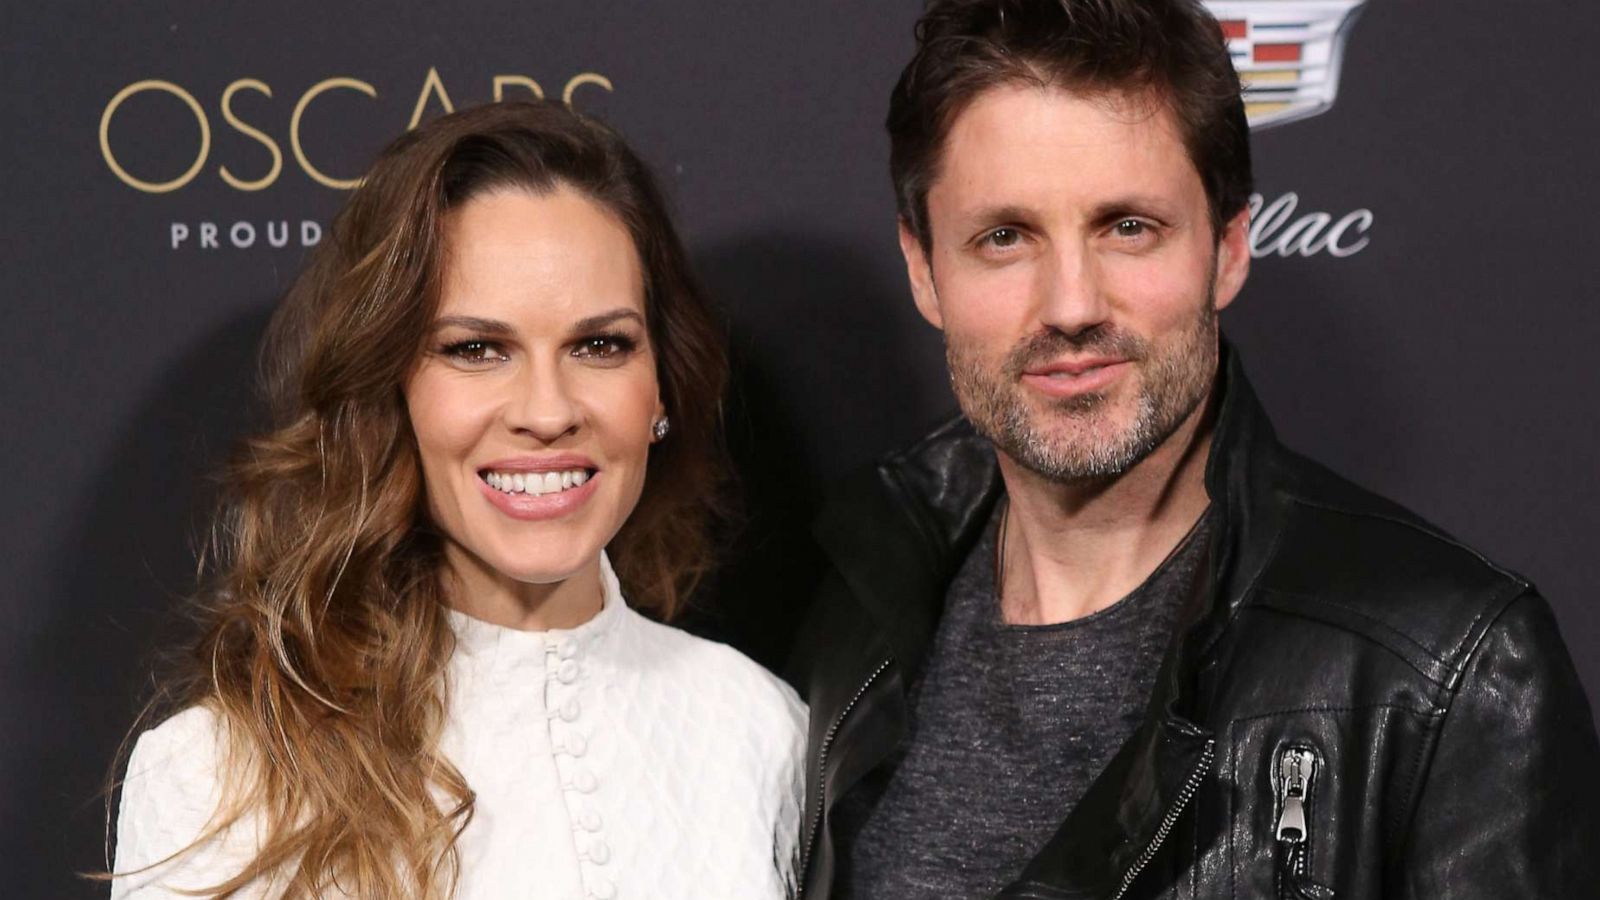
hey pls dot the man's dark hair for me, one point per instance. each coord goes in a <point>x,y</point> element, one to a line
<point>1171,50</point>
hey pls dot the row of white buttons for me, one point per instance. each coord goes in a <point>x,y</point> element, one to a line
<point>595,851</point>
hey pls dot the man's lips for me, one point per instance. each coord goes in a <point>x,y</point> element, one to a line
<point>1074,367</point>
<point>1075,377</point>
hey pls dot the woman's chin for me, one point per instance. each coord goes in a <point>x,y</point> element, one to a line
<point>546,569</point>
<point>520,564</point>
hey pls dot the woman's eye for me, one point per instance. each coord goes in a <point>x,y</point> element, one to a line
<point>474,352</point>
<point>603,346</point>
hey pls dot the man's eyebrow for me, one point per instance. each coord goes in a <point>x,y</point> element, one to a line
<point>472,323</point>
<point>606,318</point>
<point>1004,213</point>
<point>1120,206</point>
<point>1135,204</point>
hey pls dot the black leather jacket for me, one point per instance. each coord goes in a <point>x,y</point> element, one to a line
<point>1355,705</point>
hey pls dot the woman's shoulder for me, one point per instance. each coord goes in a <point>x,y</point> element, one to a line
<point>177,756</point>
<point>715,673</point>
<point>170,797</point>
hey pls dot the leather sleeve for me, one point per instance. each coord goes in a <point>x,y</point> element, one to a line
<point>1510,805</point>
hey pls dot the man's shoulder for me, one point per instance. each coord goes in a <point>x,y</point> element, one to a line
<point>936,473</point>
<point>933,491</point>
<point>951,444</point>
<point>1356,559</point>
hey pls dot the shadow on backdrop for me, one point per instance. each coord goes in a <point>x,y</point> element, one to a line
<point>123,579</point>
<point>1296,329</point>
<point>824,380</point>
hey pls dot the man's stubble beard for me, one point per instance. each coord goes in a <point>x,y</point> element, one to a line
<point>1174,381</point>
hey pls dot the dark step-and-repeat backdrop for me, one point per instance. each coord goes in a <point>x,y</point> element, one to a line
<point>1421,314</point>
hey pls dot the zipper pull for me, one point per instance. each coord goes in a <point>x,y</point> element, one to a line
<point>1294,777</point>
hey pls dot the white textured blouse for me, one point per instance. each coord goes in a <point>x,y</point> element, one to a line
<point>619,759</point>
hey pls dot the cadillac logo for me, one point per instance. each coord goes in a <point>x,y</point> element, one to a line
<point>1287,52</point>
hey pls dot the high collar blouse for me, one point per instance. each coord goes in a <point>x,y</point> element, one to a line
<point>618,759</point>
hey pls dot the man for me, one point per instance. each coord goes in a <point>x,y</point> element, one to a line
<point>1106,637</point>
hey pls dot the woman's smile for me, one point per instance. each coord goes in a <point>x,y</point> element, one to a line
<point>533,489</point>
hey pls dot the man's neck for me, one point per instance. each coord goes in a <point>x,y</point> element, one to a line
<point>1071,550</point>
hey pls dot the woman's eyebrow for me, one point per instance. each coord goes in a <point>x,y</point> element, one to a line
<point>472,323</point>
<point>606,318</point>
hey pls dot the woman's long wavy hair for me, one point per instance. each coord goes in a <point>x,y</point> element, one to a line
<point>324,638</point>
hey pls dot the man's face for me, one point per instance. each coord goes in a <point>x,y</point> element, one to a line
<point>1076,276</point>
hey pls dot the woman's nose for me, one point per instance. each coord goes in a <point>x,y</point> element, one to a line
<point>542,404</point>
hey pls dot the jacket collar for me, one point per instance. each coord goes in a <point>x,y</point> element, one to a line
<point>898,533</point>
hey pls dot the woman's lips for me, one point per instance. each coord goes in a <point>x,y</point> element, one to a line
<point>534,507</point>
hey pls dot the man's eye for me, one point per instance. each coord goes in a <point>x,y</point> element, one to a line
<point>1129,228</point>
<point>474,352</point>
<point>1003,238</point>
<point>603,346</point>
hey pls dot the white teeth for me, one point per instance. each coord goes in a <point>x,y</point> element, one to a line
<point>535,484</point>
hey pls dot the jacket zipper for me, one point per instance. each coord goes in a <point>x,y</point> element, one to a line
<point>822,770</point>
<point>1296,771</point>
<point>1187,793</point>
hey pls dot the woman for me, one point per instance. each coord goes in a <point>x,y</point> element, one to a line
<point>418,675</point>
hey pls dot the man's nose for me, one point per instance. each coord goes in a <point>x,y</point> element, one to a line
<point>542,402</point>
<point>1069,293</point>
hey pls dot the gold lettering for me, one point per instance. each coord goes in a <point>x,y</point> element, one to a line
<point>501,82</point>
<point>432,84</point>
<point>328,84</point>
<point>582,79</point>
<point>271,145</point>
<point>154,187</point>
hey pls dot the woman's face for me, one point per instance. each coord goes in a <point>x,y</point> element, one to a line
<point>534,398</point>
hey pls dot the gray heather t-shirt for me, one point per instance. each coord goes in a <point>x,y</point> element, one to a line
<point>1009,726</point>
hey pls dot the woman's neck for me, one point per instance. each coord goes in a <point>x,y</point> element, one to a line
<point>471,587</point>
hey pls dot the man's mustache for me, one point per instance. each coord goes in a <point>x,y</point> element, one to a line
<point>1052,343</point>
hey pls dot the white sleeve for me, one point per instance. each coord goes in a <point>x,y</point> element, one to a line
<point>169,797</point>
<point>791,788</point>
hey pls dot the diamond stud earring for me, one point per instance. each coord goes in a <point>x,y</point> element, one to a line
<point>661,427</point>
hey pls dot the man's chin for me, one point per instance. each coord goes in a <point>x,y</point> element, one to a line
<point>1083,418</point>
<point>1080,450</point>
